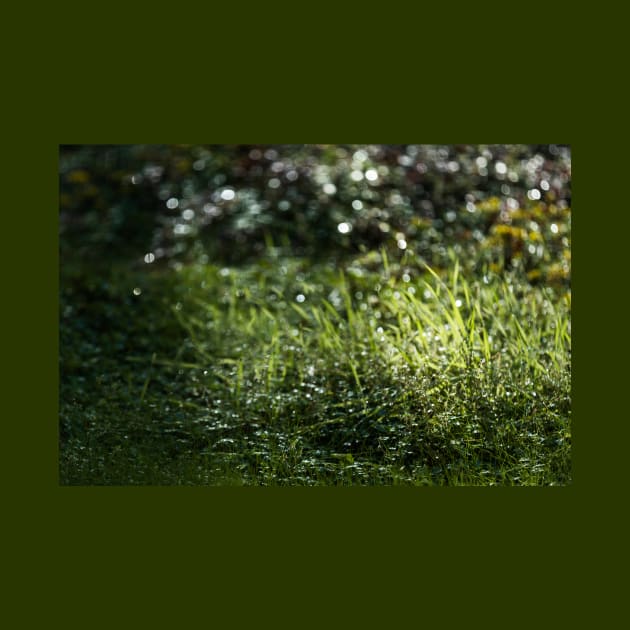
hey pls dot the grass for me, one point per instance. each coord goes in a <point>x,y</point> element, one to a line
<point>288,373</point>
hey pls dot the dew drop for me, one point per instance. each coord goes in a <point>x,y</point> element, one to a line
<point>356,175</point>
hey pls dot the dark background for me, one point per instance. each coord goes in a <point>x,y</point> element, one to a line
<point>500,205</point>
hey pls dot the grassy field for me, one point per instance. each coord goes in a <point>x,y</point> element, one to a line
<point>315,314</point>
<point>288,372</point>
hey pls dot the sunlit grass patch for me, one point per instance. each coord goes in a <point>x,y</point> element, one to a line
<point>288,373</point>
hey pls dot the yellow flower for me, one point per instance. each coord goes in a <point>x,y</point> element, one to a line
<point>78,176</point>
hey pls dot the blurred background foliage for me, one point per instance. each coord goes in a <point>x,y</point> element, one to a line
<point>494,206</point>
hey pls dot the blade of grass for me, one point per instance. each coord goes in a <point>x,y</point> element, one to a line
<point>147,380</point>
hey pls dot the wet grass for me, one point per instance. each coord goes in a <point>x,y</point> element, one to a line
<point>287,373</point>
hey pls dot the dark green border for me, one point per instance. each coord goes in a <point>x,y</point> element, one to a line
<point>322,557</point>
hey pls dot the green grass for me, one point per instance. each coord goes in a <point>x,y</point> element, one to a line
<point>289,373</point>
